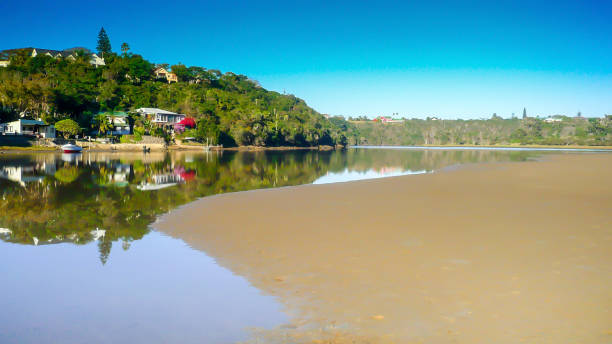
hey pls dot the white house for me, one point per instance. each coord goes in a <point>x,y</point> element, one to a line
<point>28,127</point>
<point>160,117</point>
<point>552,120</point>
<point>120,122</point>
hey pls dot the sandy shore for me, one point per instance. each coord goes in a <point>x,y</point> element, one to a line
<point>492,253</point>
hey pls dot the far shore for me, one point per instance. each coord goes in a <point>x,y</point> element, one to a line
<point>496,146</point>
<point>135,147</point>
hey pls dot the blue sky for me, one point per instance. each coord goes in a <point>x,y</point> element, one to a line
<point>452,59</point>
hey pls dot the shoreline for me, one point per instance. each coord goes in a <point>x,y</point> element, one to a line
<point>446,257</point>
<point>559,147</point>
<point>121,147</point>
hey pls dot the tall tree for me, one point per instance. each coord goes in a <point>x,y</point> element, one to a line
<point>104,45</point>
<point>125,48</point>
<point>524,112</point>
<point>103,123</point>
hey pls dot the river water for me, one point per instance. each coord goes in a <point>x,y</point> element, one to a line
<point>80,262</point>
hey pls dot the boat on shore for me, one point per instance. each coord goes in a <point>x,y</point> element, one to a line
<point>70,148</point>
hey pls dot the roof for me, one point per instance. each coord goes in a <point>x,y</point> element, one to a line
<point>114,113</point>
<point>32,122</point>
<point>39,51</point>
<point>155,111</point>
<point>28,122</point>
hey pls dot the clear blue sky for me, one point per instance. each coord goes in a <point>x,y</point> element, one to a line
<point>445,58</point>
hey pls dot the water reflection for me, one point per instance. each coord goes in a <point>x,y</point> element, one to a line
<point>105,197</point>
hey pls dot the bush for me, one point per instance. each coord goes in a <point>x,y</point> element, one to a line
<point>138,132</point>
<point>68,127</point>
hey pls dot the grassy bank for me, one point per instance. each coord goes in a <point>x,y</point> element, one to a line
<point>28,149</point>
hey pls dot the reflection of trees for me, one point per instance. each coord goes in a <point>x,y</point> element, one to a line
<point>104,247</point>
<point>100,190</point>
<point>67,174</point>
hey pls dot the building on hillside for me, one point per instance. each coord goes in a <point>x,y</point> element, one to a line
<point>162,73</point>
<point>69,54</point>
<point>384,119</point>
<point>28,127</point>
<point>552,120</point>
<point>120,122</point>
<point>159,117</point>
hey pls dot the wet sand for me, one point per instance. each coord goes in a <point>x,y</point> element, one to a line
<point>489,253</point>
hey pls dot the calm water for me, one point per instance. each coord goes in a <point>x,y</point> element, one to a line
<point>80,263</point>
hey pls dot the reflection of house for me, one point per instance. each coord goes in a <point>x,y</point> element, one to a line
<point>120,122</point>
<point>160,117</point>
<point>27,174</point>
<point>28,127</point>
<point>69,54</point>
<point>162,73</point>
<point>160,181</point>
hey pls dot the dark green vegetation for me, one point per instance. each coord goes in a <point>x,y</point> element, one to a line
<point>495,131</point>
<point>45,199</point>
<point>233,108</point>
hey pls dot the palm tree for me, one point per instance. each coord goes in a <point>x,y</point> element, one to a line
<point>103,124</point>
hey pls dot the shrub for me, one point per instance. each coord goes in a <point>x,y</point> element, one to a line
<point>68,127</point>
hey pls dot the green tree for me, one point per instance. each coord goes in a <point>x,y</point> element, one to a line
<point>524,113</point>
<point>207,129</point>
<point>68,127</point>
<point>182,72</point>
<point>104,45</point>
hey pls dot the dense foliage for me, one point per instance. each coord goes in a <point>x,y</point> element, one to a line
<point>495,131</point>
<point>238,110</point>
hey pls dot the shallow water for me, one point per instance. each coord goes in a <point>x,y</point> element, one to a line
<point>80,262</point>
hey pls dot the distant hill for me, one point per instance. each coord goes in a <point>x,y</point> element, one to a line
<point>496,131</point>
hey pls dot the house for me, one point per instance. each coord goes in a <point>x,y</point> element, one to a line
<point>162,73</point>
<point>120,122</point>
<point>384,119</point>
<point>28,127</point>
<point>69,54</point>
<point>552,120</point>
<point>160,117</point>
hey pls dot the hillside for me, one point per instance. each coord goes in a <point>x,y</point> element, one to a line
<point>239,109</point>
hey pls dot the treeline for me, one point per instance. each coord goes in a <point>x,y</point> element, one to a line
<point>495,131</point>
<point>234,108</point>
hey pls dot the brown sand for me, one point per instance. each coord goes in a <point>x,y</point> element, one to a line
<point>494,253</point>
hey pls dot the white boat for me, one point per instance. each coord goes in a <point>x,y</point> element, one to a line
<point>70,148</point>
